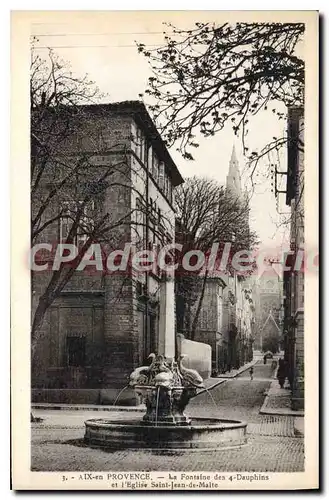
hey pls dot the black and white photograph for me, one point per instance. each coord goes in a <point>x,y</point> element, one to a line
<point>172,164</point>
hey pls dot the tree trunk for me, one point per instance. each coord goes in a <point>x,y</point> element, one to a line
<point>198,309</point>
<point>35,333</point>
<point>37,323</point>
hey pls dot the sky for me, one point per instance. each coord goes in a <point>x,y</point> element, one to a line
<point>103,45</point>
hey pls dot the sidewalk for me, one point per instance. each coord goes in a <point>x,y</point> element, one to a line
<point>78,407</point>
<point>213,382</point>
<point>278,402</point>
<point>235,373</point>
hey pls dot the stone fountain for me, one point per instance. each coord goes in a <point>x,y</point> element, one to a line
<point>165,386</point>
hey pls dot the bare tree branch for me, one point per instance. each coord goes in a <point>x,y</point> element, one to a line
<point>209,77</point>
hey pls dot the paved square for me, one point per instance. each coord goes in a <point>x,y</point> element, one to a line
<point>273,443</point>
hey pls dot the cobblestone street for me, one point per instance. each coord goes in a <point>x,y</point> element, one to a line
<point>273,445</point>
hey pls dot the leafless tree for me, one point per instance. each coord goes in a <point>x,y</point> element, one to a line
<point>208,213</point>
<point>66,188</point>
<point>211,76</point>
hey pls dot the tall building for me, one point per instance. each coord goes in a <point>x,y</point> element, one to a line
<point>103,325</point>
<point>294,275</point>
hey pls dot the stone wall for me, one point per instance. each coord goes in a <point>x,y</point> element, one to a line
<point>198,355</point>
<point>298,384</point>
<point>209,328</point>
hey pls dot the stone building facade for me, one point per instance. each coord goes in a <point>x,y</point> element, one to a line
<point>210,328</point>
<point>294,274</point>
<point>239,321</point>
<point>103,325</point>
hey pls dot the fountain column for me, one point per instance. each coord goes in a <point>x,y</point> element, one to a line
<point>166,344</point>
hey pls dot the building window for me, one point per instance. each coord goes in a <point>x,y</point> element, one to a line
<point>140,224</point>
<point>155,167</point>
<point>161,179</point>
<point>167,184</point>
<point>160,176</point>
<point>152,222</point>
<point>204,319</point>
<point>71,210</point>
<point>139,143</point>
<point>76,351</point>
<point>143,149</point>
<point>156,230</point>
<point>169,188</point>
<point>219,313</point>
<point>65,222</point>
<point>148,155</point>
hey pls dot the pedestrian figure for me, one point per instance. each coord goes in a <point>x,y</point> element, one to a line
<point>265,359</point>
<point>281,374</point>
<point>251,371</point>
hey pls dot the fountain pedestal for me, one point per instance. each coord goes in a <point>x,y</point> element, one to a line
<point>165,406</point>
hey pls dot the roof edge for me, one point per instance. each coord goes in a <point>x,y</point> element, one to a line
<point>138,109</point>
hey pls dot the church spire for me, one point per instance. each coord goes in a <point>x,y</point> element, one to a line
<point>233,156</point>
<point>233,180</point>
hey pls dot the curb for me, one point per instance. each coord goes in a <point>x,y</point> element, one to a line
<point>281,413</point>
<point>284,412</point>
<point>77,407</point>
<point>241,370</point>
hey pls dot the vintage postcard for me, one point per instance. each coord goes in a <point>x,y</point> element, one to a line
<point>164,250</point>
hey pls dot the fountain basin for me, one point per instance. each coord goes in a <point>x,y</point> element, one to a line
<point>132,433</point>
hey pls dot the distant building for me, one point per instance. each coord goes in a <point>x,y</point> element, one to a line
<point>268,304</point>
<point>270,335</point>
